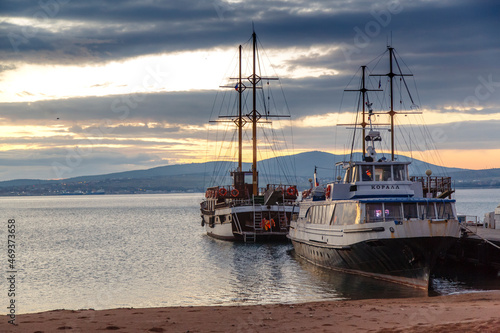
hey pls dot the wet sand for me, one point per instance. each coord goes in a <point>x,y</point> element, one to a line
<point>474,312</point>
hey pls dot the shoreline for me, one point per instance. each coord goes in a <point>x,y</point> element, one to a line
<point>470,312</point>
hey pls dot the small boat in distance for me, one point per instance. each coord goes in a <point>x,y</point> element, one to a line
<point>377,221</point>
<point>243,211</point>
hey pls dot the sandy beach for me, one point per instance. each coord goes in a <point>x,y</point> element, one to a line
<point>473,312</point>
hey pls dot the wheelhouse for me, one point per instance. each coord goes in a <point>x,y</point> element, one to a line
<point>376,172</point>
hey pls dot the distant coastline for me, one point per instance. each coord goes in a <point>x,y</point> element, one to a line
<point>194,177</point>
<point>39,192</point>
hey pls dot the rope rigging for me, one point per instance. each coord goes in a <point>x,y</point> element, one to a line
<point>272,140</point>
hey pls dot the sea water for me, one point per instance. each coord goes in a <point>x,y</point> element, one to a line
<point>110,251</point>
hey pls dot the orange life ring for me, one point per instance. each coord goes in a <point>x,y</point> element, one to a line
<point>235,192</point>
<point>207,193</point>
<point>291,191</point>
<point>328,190</point>
<point>222,192</point>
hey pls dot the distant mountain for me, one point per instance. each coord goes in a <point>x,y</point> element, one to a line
<point>197,176</point>
<point>477,178</point>
<point>305,163</point>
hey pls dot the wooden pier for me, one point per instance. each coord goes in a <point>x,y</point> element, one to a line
<point>479,246</point>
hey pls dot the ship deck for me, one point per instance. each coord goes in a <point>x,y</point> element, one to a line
<point>479,246</point>
<point>493,235</point>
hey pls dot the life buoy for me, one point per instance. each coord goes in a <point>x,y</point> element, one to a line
<point>207,193</point>
<point>235,192</point>
<point>328,190</point>
<point>222,192</point>
<point>291,191</point>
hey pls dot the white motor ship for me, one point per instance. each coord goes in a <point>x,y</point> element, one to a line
<point>377,221</point>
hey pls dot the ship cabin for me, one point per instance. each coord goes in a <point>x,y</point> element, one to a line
<point>374,179</point>
<point>370,210</point>
<point>378,191</point>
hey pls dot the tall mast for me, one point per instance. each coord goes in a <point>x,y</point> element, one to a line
<point>363,124</point>
<point>254,117</point>
<point>391,113</point>
<point>240,120</point>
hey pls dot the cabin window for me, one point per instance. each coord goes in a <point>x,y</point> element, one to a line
<point>427,210</point>
<point>410,211</point>
<point>374,212</point>
<point>350,214</point>
<point>444,210</point>
<point>325,218</point>
<point>383,173</point>
<point>337,216</point>
<point>392,211</point>
<point>320,214</point>
<point>308,215</point>
<point>327,214</point>
<point>345,213</point>
<point>332,213</point>
<point>314,213</point>
<point>399,172</point>
<point>355,175</point>
<point>366,173</point>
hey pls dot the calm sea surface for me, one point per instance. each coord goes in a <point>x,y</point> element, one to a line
<point>111,251</point>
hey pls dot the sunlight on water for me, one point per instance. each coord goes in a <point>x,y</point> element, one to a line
<point>477,202</point>
<point>111,251</point>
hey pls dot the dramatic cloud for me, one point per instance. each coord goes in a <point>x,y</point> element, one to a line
<point>102,86</point>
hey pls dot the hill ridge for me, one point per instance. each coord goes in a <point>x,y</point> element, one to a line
<point>194,176</point>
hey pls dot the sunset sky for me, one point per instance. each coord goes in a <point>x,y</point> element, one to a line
<point>92,87</point>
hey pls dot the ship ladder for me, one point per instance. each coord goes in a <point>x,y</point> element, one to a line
<point>237,224</point>
<point>257,219</point>
<point>283,219</point>
<point>249,236</point>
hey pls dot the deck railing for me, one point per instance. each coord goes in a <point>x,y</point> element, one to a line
<point>290,192</point>
<point>435,187</point>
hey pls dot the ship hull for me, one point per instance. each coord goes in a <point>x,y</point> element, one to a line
<point>259,223</point>
<point>404,261</point>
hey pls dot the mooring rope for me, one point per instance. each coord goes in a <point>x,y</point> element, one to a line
<point>484,239</point>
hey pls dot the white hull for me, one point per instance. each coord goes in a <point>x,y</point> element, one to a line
<point>402,251</point>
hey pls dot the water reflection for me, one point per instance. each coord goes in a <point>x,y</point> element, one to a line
<point>272,273</point>
<point>351,286</point>
<point>451,277</point>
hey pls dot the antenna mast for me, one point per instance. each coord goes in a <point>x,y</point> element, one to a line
<point>363,90</point>
<point>391,76</point>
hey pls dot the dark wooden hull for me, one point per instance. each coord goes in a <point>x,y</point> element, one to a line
<point>256,223</point>
<point>405,261</point>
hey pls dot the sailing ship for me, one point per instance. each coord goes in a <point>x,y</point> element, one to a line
<point>243,211</point>
<point>376,220</point>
